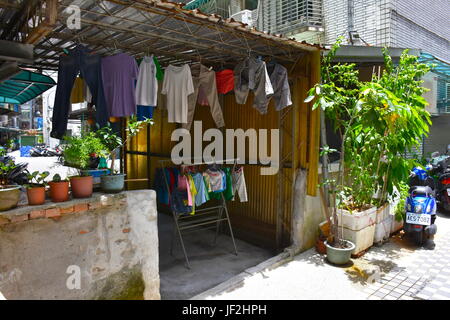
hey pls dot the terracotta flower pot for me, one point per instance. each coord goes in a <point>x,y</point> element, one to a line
<point>59,191</point>
<point>320,246</point>
<point>82,187</point>
<point>36,195</point>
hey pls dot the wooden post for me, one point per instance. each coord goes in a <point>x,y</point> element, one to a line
<point>314,131</point>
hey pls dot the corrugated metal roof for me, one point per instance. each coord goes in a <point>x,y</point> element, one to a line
<point>175,35</point>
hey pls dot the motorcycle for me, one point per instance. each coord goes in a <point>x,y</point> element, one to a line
<point>441,170</point>
<point>421,207</point>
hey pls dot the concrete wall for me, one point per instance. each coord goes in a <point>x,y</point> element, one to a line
<point>371,20</point>
<point>439,136</point>
<point>422,25</point>
<point>112,240</point>
<point>415,24</point>
<point>308,213</point>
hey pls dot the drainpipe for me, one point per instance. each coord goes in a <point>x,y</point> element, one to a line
<point>350,18</point>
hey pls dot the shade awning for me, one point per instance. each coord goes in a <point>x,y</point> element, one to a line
<point>437,65</point>
<point>24,86</point>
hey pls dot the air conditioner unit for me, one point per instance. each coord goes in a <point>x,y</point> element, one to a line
<point>244,16</point>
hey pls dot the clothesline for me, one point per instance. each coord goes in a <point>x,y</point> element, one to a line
<point>183,160</point>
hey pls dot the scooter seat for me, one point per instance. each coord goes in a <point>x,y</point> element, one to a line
<point>422,190</point>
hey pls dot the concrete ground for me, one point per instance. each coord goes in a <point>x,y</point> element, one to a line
<point>210,265</point>
<point>406,273</point>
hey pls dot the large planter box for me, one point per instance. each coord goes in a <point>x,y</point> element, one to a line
<point>383,223</point>
<point>363,239</point>
<point>383,230</point>
<point>359,228</point>
<point>396,225</point>
<point>357,220</point>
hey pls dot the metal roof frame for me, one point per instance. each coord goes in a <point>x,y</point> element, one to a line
<point>175,35</point>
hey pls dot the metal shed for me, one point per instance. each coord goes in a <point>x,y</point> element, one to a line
<point>179,36</point>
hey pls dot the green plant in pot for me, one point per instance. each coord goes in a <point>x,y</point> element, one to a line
<point>59,189</point>
<point>36,187</point>
<point>377,122</point>
<point>82,152</point>
<point>114,182</point>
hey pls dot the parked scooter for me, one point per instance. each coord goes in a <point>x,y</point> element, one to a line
<point>421,208</point>
<point>441,172</point>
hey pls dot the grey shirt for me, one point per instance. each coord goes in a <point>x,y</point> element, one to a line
<point>280,84</point>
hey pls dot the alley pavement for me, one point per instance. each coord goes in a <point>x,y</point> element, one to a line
<point>406,272</point>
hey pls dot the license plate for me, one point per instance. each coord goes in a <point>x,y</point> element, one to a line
<point>448,192</point>
<point>417,218</point>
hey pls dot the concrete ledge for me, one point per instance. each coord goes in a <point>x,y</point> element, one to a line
<point>57,209</point>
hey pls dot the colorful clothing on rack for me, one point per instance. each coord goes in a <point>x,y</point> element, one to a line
<point>202,192</point>
<point>239,184</point>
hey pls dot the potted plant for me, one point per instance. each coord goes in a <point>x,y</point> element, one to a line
<point>9,193</point>
<point>114,182</point>
<point>36,187</point>
<point>59,189</point>
<point>82,152</point>
<point>377,122</point>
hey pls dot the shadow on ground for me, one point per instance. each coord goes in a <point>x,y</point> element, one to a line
<point>210,265</point>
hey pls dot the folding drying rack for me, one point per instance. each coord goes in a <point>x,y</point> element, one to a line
<point>202,217</point>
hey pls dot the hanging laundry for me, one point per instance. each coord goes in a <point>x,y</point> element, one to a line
<point>147,84</point>
<point>159,70</point>
<point>202,192</point>
<point>216,180</point>
<point>228,193</point>
<point>251,74</point>
<point>205,79</point>
<point>177,86</point>
<point>225,81</point>
<point>280,84</point>
<point>144,112</point>
<point>239,184</point>
<point>119,73</point>
<point>78,94</point>
<point>202,98</point>
<point>178,199</point>
<point>193,191</point>
<point>78,60</point>
<point>183,184</point>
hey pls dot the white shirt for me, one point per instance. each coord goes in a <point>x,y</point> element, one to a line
<point>177,86</point>
<point>147,84</point>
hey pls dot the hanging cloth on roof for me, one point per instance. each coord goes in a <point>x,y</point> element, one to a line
<point>280,84</point>
<point>177,86</point>
<point>251,74</point>
<point>119,73</point>
<point>147,84</point>
<point>78,94</point>
<point>225,81</point>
